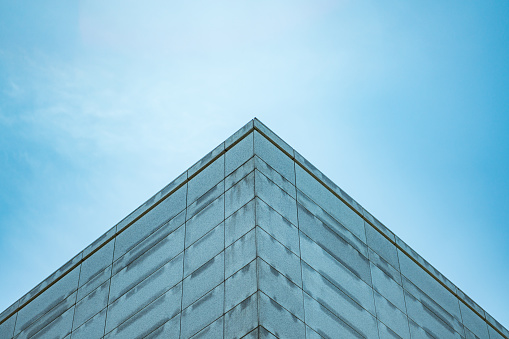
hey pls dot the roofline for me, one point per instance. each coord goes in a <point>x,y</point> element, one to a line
<point>253,125</point>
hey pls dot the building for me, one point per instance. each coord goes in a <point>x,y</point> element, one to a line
<point>251,242</point>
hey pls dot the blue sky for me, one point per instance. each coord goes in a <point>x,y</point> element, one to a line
<point>403,104</point>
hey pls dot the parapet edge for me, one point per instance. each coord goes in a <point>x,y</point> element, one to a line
<point>205,161</point>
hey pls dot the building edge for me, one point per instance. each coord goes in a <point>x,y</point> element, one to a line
<point>200,165</point>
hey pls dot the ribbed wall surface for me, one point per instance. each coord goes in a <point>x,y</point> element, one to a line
<point>253,246</point>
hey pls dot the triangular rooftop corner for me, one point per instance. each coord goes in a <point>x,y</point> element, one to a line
<point>254,125</point>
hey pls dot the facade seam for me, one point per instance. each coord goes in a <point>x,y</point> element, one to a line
<point>224,246</point>
<point>76,300</point>
<point>183,263</point>
<point>300,252</point>
<point>256,240</point>
<point>109,286</point>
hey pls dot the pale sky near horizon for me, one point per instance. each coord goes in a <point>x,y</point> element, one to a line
<point>403,104</point>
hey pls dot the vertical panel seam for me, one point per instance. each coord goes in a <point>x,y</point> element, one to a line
<point>183,261</point>
<point>109,285</point>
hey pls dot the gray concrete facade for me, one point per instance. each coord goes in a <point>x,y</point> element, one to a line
<point>251,242</point>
